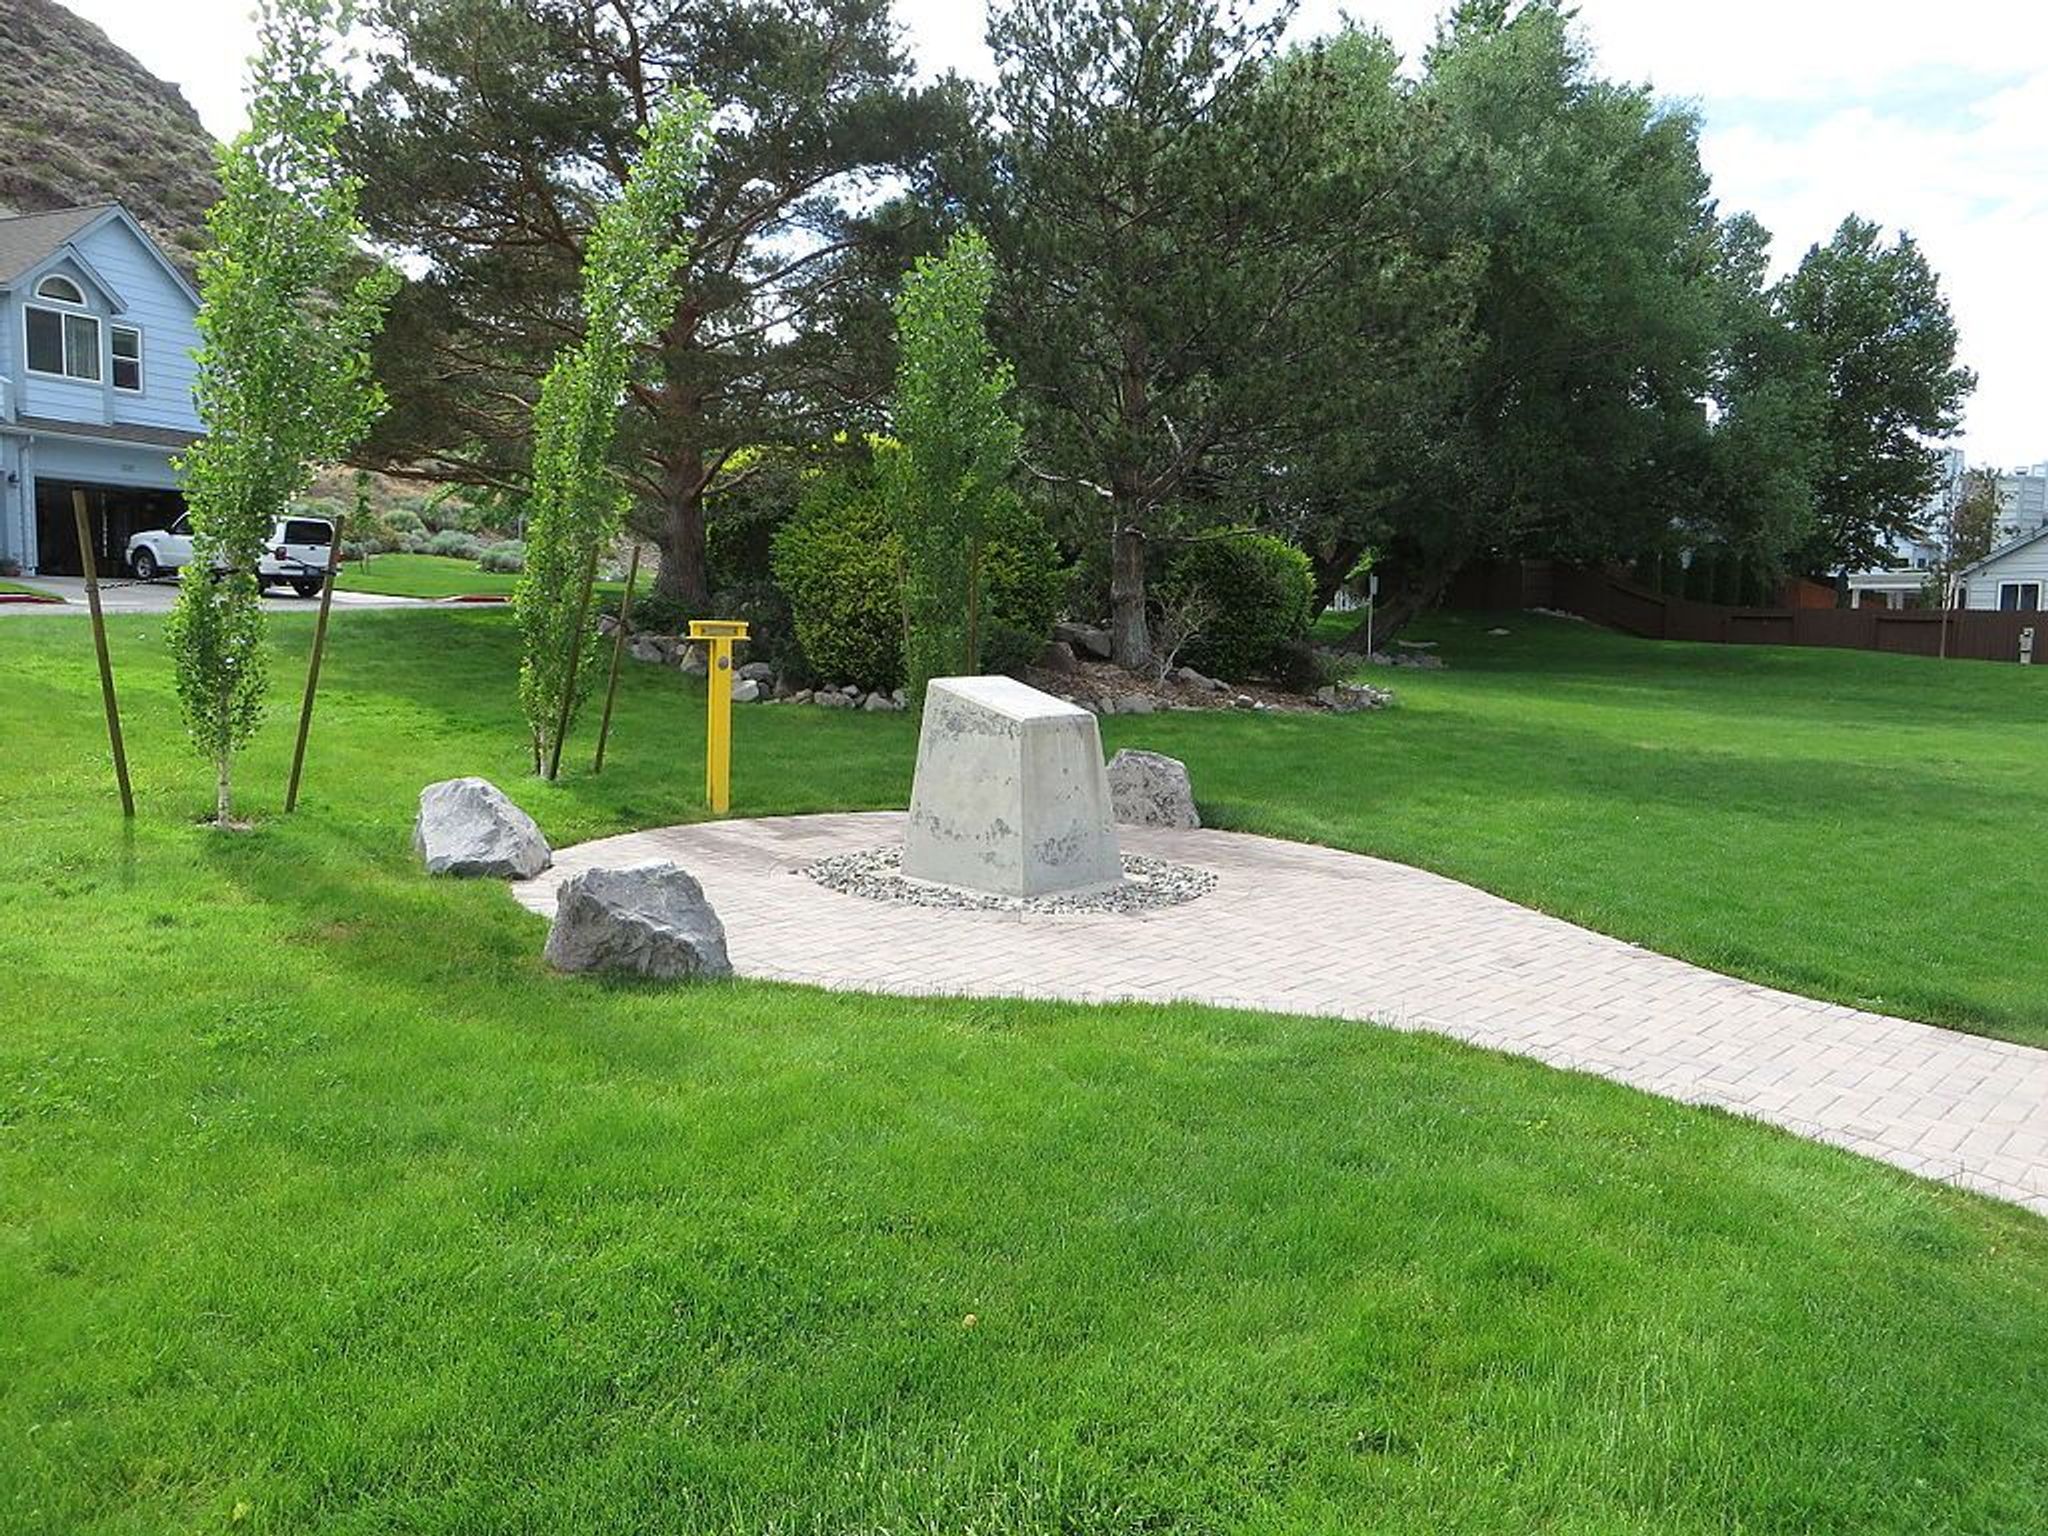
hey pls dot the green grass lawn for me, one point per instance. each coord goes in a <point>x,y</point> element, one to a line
<point>18,588</point>
<point>402,575</point>
<point>323,1207</point>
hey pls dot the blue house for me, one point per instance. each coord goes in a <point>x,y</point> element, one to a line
<point>96,374</point>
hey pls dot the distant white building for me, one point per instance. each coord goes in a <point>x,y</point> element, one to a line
<point>2022,503</point>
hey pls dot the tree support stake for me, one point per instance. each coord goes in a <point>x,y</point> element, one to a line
<point>291,794</point>
<point>99,641</point>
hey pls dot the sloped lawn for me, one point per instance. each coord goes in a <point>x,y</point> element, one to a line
<point>403,575</point>
<point>324,1208</point>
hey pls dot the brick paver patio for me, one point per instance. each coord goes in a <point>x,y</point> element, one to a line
<point>1292,928</point>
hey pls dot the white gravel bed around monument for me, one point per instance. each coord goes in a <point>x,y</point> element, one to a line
<point>877,874</point>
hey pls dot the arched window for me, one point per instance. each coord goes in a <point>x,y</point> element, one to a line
<point>62,289</point>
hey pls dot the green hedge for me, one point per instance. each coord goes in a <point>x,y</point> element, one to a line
<point>839,562</point>
<point>1261,590</point>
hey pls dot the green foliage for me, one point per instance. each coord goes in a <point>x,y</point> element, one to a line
<point>1875,317</point>
<point>480,108</point>
<point>839,562</point>
<point>957,448</point>
<point>507,558</point>
<point>629,261</point>
<point>1257,590</point>
<point>289,307</point>
<point>1023,586</point>
<point>452,543</point>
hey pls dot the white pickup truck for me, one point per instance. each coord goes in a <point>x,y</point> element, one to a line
<point>296,556</point>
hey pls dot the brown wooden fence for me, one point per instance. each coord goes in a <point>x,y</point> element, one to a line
<point>1619,603</point>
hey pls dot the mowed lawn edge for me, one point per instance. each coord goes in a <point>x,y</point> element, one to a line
<point>325,1204</point>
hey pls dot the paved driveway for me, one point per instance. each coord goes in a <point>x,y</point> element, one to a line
<point>130,596</point>
<point>1291,928</point>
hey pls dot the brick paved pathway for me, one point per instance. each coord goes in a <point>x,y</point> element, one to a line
<point>1292,928</point>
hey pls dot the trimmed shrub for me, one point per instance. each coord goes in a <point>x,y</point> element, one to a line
<point>451,542</point>
<point>1260,590</point>
<point>839,562</point>
<point>508,558</point>
<point>1022,586</point>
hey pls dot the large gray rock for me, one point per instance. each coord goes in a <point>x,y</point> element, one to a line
<point>1009,794</point>
<point>1084,638</point>
<point>468,827</point>
<point>646,920</point>
<point>1150,789</point>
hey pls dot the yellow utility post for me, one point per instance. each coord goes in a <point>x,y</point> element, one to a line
<point>718,636</point>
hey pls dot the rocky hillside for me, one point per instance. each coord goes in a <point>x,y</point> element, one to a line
<point>82,122</point>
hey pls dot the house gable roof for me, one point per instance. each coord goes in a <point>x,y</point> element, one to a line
<point>2002,551</point>
<point>31,241</point>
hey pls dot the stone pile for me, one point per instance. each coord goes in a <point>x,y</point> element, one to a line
<point>754,682</point>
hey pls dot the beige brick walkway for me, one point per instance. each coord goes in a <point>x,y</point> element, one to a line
<point>1297,929</point>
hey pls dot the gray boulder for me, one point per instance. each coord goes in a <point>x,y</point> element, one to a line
<point>691,659</point>
<point>1058,656</point>
<point>757,671</point>
<point>1084,637</point>
<point>656,648</point>
<point>468,827</point>
<point>746,691</point>
<point>832,698</point>
<point>644,920</point>
<point>1150,789</point>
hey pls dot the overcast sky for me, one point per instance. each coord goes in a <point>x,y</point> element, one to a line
<point>1928,117</point>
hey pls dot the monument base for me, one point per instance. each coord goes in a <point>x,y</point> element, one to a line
<point>1010,796</point>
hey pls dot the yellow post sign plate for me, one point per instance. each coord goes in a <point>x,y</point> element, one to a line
<point>719,637</point>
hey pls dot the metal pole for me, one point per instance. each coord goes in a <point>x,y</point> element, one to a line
<point>718,728</point>
<point>611,687</point>
<point>99,641</point>
<point>575,660</point>
<point>291,794</point>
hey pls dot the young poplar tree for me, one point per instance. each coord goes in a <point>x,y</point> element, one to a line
<point>958,450</point>
<point>289,305</point>
<point>629,266</point>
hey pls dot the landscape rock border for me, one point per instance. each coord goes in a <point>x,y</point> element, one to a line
<point>876,874</point>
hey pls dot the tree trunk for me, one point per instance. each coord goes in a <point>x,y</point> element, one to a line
<point>683,574</point>
<point>223,796</point>
<point>1332,565</point>
<point>1130,637</point>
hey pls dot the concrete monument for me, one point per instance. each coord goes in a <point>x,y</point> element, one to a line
<point>1010,794</point>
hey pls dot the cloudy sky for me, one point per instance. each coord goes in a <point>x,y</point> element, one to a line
<point>1929,118</point>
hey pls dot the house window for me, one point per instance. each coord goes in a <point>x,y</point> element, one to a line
<point>125,341</point>
<point>61,289</point>
<point>66,346</point>
<point>2019,596</point>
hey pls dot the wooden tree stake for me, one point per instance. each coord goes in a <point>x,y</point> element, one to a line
<point>575,660</point>
<point>611,687</point>
<point>291,794</point>
<point>99,640</point>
